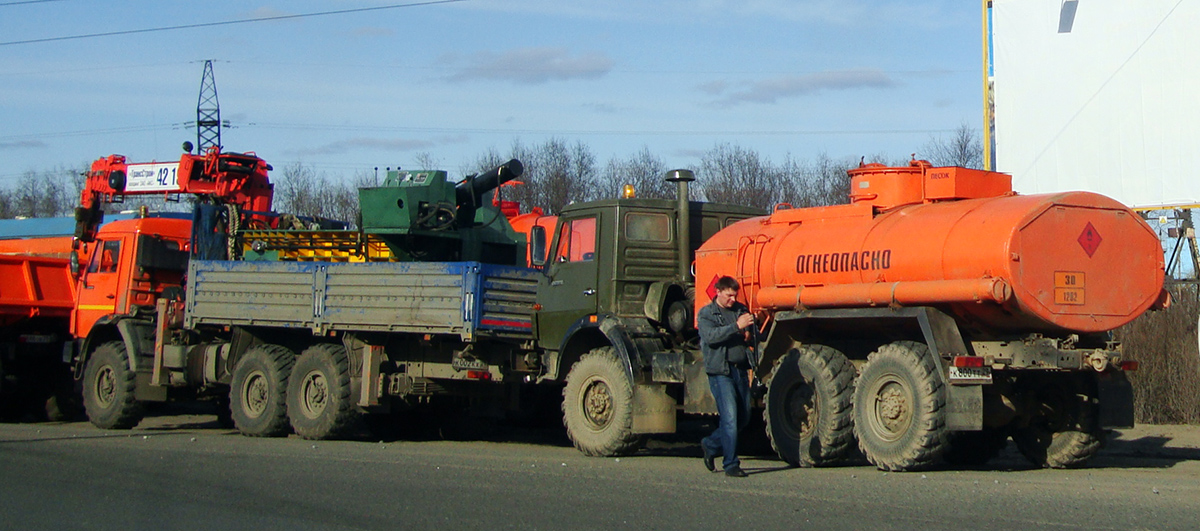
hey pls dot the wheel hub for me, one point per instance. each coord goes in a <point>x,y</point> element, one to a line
<point>802,410</point>
<point>254,395</point>
<point>315,393</point>
<point>597,403</point>
<point>892,409</point>
<point>106,386</point>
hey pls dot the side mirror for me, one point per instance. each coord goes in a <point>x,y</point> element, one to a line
<point>74,263</point>
<point>537,246</point>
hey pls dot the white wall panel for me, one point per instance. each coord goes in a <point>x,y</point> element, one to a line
<point>1111,106</point>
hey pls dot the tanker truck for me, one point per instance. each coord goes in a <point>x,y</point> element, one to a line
<point>938,315</point>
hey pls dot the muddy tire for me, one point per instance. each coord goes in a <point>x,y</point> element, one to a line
<point>975,448</point>
<point>320,405</point>
<point>899,408</point>
<point>258,391</point>
<point>809,416</point>
<point>598,405</point>
<point>1064,432</point>
<point>108,388</point>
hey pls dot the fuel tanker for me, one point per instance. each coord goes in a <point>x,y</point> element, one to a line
<point>939,314</point>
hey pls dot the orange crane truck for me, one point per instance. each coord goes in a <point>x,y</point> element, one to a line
<point>67,294</point>
<point>939,314</point>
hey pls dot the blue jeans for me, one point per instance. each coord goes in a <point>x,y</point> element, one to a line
<point>732,393</point>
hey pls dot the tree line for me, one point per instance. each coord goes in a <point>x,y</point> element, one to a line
<point>557,172</point>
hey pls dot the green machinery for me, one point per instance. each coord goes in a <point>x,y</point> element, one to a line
<point>416,216</point>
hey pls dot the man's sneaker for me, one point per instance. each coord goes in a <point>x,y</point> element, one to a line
<point>709,459</point>
<point>736,472</point>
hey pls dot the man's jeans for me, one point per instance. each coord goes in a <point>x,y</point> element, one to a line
<point>732,393</point>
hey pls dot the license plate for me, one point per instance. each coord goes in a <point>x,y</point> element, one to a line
<point>971,374</point>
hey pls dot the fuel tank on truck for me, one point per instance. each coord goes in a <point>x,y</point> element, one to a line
<point>953,238</point>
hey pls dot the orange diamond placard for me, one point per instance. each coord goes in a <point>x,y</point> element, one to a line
<point>1090,240</point>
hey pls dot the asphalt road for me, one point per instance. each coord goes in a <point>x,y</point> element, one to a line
<point>182,472</point>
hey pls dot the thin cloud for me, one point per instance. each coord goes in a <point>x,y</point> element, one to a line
<point>22,144</point>
<point>375,144</point>
<point>772,90</point>
<point>529,66</point>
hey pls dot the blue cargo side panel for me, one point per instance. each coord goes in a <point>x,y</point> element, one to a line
<point>461,298</point>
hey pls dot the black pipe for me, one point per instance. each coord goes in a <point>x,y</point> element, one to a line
<point>469,192</point>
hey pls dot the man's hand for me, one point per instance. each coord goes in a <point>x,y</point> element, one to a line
<point>745,321</point>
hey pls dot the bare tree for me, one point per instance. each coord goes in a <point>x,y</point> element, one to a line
<point>556,174</point>
<point>302,191</point>
<point>733,174</point>
<point>643,170</point>
<point>963,148</point>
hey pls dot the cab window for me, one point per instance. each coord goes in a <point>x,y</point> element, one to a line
<point>106,258</point>
<point>648,227</point>
<point>577,241</point>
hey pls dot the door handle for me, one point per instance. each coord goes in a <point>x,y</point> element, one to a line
<point>110,296</point>
<point>589,292</point>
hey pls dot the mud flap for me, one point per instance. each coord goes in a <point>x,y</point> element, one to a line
<point>697,397</point>
<point>653,409</point>
<point>1116,400</point>
<point>964,407</point>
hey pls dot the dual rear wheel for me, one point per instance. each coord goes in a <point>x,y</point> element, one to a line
<point>896,409</point>
<point>274,392</point>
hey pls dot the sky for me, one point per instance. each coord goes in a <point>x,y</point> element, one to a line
<point>376,88</point>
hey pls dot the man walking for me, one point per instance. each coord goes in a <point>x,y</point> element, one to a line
<point>726,334</point>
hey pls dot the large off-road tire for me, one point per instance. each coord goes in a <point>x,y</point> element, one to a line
<point>598,405</point>
<point>108,388</point>
<point>1064,431</point>
<point>258,391</point>
<point>320,405</point>
<point>975,448</point>
<point>899,408</point>
<point>809,415</point>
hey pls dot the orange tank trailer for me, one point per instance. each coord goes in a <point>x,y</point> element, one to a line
<point>953,238</point>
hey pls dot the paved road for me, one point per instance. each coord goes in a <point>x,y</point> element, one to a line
<point>185,473</point>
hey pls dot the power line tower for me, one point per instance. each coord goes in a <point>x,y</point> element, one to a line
<point>208,112</point>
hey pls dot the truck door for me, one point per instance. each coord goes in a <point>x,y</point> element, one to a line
<point>100,289</point>
<point>568,293</point>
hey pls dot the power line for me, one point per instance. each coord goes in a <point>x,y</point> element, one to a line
<point>5,4</point>
<point>228,22</point>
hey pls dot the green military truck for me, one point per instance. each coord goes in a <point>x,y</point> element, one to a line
<point>614,320</point>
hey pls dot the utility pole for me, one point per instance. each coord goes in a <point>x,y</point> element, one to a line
<point>208,112</point>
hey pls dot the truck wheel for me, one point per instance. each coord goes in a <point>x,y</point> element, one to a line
<point>975,448</point>
<point>598,406</point>
<point>899,404</point>
<point>809,395</point>
<point>108,388</point>
<point>258,391</point>
<point>1064,431</point>
<point>319,401</point>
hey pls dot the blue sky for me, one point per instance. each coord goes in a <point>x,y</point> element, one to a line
<point>349,92</point>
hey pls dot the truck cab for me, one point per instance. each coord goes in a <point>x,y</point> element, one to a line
<point>615,312</point>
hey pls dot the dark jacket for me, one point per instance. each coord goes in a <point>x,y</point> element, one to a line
<point>717,334</point>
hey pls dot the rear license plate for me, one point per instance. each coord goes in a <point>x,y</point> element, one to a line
<point>970,374</point>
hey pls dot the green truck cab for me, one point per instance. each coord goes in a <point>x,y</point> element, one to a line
<point>615,314</point>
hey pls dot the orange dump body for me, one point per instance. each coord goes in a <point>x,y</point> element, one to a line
<point>35,278</point>
<point>953,238</point>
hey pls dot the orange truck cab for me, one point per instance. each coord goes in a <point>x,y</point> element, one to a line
<point>132,263</point>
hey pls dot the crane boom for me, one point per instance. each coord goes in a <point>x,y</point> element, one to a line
<point>238,179</point>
